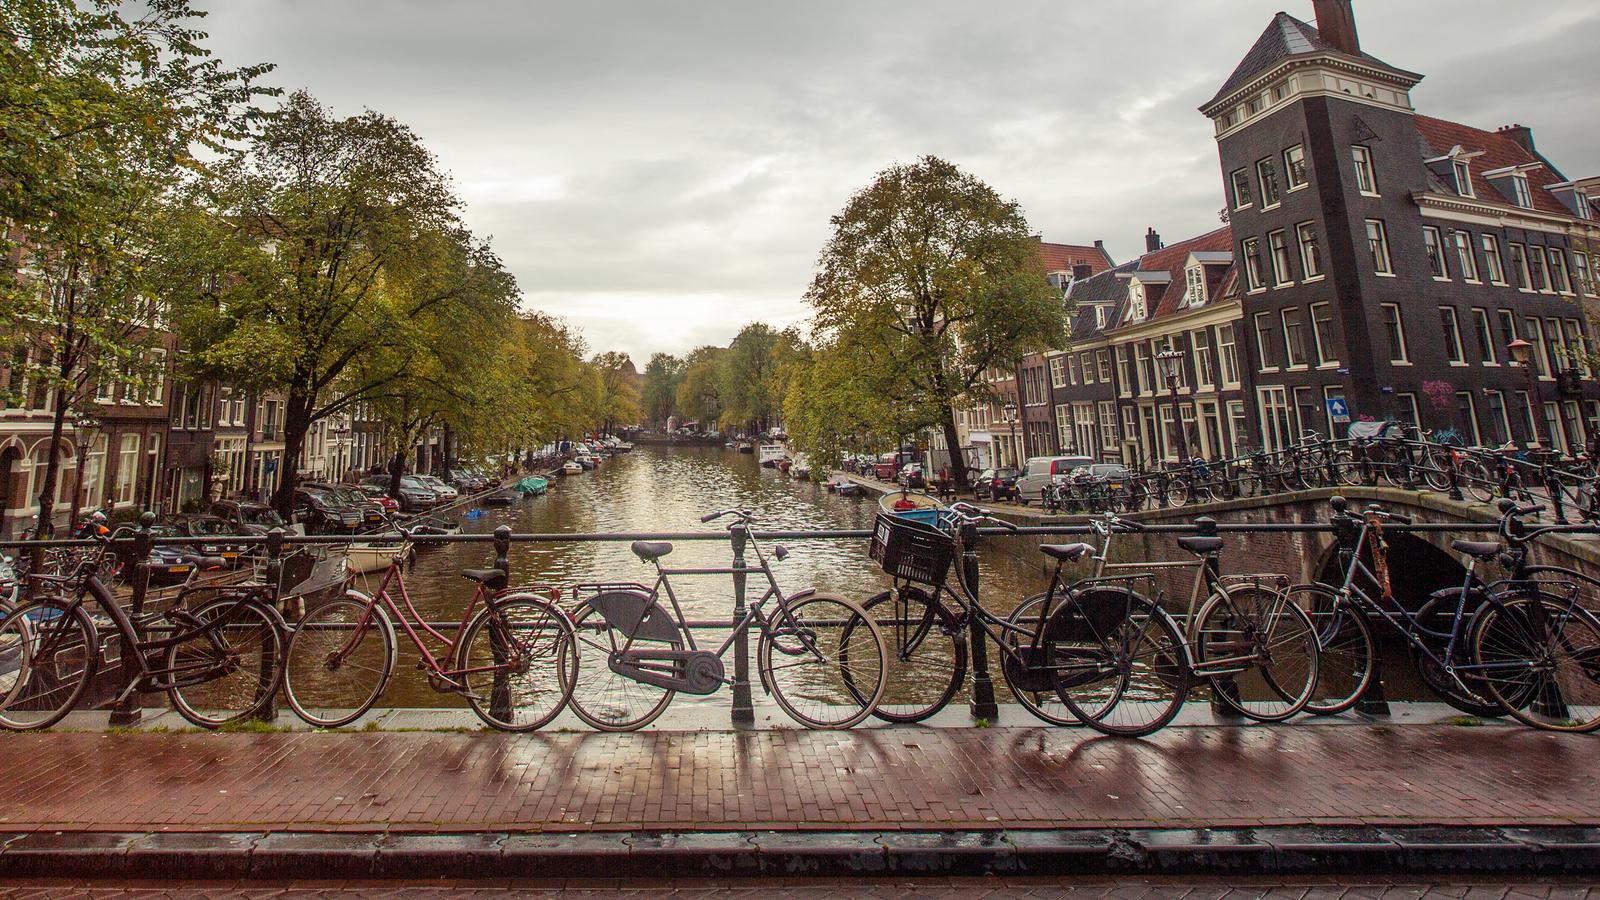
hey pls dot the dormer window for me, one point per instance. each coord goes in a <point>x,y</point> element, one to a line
<point>1099,317</point>
<point>1196,293</point>
<point>1464,179</point>
<point>1585,211</point>
<point>1521,192</point>
<point>1136,302</point>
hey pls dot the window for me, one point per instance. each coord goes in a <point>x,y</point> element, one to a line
<point>1204,373</point>
<point>1540,275</point>
<point>1407,409</point>
<point>1108,425</point>
<point>1058,374</point>
<point>1228,353</point>
<point>1577,347</point>
<point>1464,258</point>
<point>1580,271</point>
<point>1520,192</point>
<point>1083,427</point>
<point>1281,274</point>
<point>1241,189</point>
<point>1322,327</point>
<point>127,468</point>
<point>1267,172</point>
<point>1452,335</point>
<point>1195,295</point>
<point>1102,360</point>
<point>1311,412</point>
<point>1211,430</point>
<point>1395,326</point>
<point>1492,260</point>
<point>1252,264</point>
<point>1519,267</point>
<point>1435,247</point>
<point>1366,177</point>
<point>1294,336</point>
<point>1294,166</point>
<point>1124,372</point>
<point>1378,247</point>
<point>1277,431</point>
<point>1467,418</point>
<point>94,470</point>
<point>1535,336</point>
<point>1310,253</point>
<point>1527,415</point>
<point>103,389</point>
<point>1143,368</point>
<point>1560,278</point>
<point>1065,438</point>
<point>1580,199</point>
<point>1333,392</point>
<point>1463,179</point>
<point>1237,425</point>
<point>1266,342</point>
<point>1552,427</point>
<point>1480,330</point>
<point>1499,423</point>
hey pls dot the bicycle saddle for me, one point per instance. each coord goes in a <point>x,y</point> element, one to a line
<point>650,551</point>
<point>1201,546</point>
<point>1477,549</point>
<point>493,579</point>
<point>1067,552</point>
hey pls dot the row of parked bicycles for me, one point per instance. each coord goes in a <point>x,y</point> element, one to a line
<point>1107,650</point>
<point>1391,453</point>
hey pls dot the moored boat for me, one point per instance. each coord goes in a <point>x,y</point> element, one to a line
<point>499,498</point>
<point>532,486</point>
<point>572,467</point>
<point>374,556</point>
<point>746,447</point>
<point>772,455</point>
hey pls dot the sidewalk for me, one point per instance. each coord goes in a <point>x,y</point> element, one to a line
<point>1321,797</point>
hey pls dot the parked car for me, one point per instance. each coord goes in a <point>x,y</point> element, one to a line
<point>324,512</point>
<point>214,527</point>
<point>247,517</point>
<point>911,476</point>
<point>1043,470</point>
<point>886,467</point>
<point>379,496</point>
<point>414,495</point>
<point>996,484</point>
<point>171,565</point>
<point>372,514</point>
<point>443,491</point>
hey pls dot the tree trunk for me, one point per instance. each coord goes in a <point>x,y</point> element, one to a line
<point>296,422</point>
<point>46,528</point>
<point>952,443</point>
<point>397,469</point>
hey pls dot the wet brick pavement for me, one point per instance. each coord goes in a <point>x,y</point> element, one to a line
<point>878,780</point>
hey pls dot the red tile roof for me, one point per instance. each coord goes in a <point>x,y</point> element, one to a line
<point>1499,151</point>
<point>1063,257</point>
<point>1171,259</point>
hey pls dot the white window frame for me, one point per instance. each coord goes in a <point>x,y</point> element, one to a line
<point>1434,238</point>
<point>1450,320</point>
<point>1262,343</point>
<point>1288,169</point>
<point>1472,417</point>
<point>1228,355</point>
<point>1282,269</point>
<point>1480,319</point>
<point>1560,275</point>
<point>1204,355</point>
<point>1289,362</point>
<point>1266,174</point>
<point>1399,332</point>
<point>1058,375</point>
<point>1463,173</point>
<point>1523,276</point>
<point>1108,425</point>
<point>1233,185</point>
<point>1465,258</point>
<point>1310,253</point>
<point>1195,289</point>
<point>1495,259</point>
<point>1366,171</point>
<point>1317,336</point>
<point>1378,248</point>
<point>1255,276</point>
<point>1521,192</point>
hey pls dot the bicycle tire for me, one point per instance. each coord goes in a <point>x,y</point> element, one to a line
<point>602,698</point>
<point>1476,481</point>
<point>1435,615</point>
<point>1345,668</point>
<point>1144,644</point>
<point>1226,613</point>
<point>1347,468</point>
<point>1178,493</point>
<point>313,660</point>
<point>927,658</point>
<point>46,661</point>
<point>1034,697</point>
<point>538,656</point>
<point>255,631</point>
<point>810,634</point>
<point>1504,631</point>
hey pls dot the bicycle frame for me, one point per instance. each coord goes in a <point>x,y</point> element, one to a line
<point>394,575</point>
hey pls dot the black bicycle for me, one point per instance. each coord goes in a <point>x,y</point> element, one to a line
<point>219,662</point>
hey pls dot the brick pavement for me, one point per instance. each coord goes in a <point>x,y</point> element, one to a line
<point>880,779</point>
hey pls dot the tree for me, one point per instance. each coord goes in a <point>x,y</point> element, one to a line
<point>345,236</point>
<point>930,278</point>
<point>618,400</point>
<point>101,116</point>
<point>833,407</point>
<point>751,376</point>
<point>699,391</point>
<point>660,394</point>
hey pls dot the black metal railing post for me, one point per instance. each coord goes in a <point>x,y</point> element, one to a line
<point>1455,479</point>
<point>1407,459</point>
<point>1369,475</point>
<point>502,550</point>
<point>500,700</point>
<point>983,703</point>
<point>1552,486</point>
<point>744,711</point>
<point>273,575</point>
<point>127,711</point>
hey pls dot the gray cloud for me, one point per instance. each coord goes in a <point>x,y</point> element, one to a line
<point>660,173</point>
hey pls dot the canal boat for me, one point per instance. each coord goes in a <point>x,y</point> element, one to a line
<point>746,447</point>
<point>801,468</point>
<point>572,467</point>
<point>500,498</point>
<point>373,556</point>
<point>772,454</point>
<point>532,486</point>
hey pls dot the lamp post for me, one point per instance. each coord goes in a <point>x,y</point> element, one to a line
<point>1169,360</point>
<point>1009,414</point>
<point>1522,352</point>
<point>84,430</point>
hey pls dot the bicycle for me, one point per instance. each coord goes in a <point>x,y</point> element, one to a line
<point>1055,646</point>
<point>631,655</point>
<point>1438,635</point>
<point>502,660</point>
<point>218,663</point>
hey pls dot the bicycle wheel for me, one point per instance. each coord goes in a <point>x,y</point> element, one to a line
<point>239,659</point>
<point>1130,673</point>
<point>48,656</point>
<point>1539,657</point>
<point>1031,684</point>
<point>1469,695</point>
<point>927,658</point>
<point>1476,480</point>
<point>339,658</point>
<point>1178,492</point>
<point>1344,669</point>
<point>1259,653</point>
<point>814,675</point>
<point>510,659</point>
<point>603,698</point>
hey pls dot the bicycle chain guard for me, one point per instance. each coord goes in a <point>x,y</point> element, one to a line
<point>686,671</point>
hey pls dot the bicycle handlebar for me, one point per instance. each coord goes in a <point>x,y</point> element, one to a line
<point>1380,512</point>
<point>972,514</point>
<point>744,514</point>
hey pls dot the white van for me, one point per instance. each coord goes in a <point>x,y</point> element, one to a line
<point>1041,470</point>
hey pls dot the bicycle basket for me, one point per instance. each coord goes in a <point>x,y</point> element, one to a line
<point>912,549</point>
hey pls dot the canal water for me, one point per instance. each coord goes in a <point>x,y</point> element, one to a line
<point>660,489</point>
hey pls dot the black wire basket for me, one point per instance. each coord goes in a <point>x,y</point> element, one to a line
<point>912,550</point>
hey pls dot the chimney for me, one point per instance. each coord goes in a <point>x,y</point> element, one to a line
<point>1082,271</point>
<point>1522,135</point>
<point>1152,241</point>
<point>1336,22</point>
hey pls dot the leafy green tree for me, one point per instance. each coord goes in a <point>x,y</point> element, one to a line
<point>930,278</point>
<point>618,399</point>
<point>831,409</point>
<point>699,395</point>
<point>659,398</point>
<point>751,376</point>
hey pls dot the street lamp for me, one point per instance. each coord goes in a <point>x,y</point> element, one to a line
<point>84,430</point>
<point>1169,360</point>
<point>1522,353</point>
<point>1008,412</point>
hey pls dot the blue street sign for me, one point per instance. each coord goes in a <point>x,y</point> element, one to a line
<point>1338,410</point>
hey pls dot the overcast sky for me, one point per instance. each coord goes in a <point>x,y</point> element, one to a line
<point>660,172</point>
